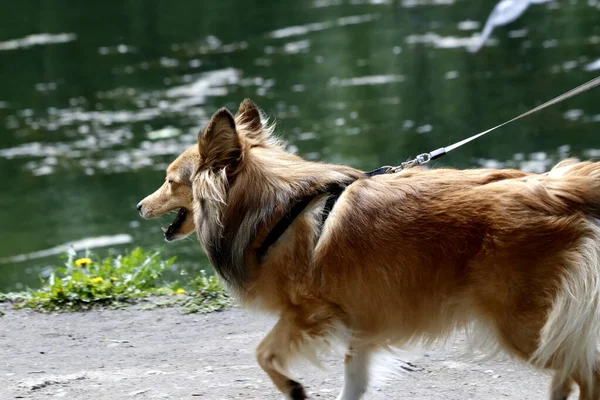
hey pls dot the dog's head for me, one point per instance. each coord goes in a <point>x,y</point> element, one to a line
<point>175,194</point>
<point>219,150</point>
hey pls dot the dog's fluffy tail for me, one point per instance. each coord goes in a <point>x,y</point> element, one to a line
<point>569,339</point>
<point>573,186</point>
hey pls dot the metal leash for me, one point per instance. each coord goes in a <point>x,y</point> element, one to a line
<point>426,157</point>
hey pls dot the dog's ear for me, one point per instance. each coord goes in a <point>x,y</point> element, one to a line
<point>248,117</point>
<point>219,145</point>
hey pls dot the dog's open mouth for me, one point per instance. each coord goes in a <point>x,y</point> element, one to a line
<point>173,229</point>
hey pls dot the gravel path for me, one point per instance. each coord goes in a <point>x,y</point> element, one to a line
<point>164,354</point>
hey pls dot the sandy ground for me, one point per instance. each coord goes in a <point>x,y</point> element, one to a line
<point>164,354</point>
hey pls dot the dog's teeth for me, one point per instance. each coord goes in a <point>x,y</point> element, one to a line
<point>163,229</point>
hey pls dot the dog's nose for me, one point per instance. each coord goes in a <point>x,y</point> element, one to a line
<point>139,206</point>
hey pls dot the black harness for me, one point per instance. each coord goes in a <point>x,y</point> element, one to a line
<point>334,190</point>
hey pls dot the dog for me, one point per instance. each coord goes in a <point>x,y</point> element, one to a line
<point>393,260</point>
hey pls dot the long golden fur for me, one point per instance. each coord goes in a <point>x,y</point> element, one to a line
<point>402,258</point>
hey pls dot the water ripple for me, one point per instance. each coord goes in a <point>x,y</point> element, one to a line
<point>445,42</point>
<point>78,245</point>
<point>367,80</point>
<point>37,40</point>
<point>300,30</point>
<point>106,131</point>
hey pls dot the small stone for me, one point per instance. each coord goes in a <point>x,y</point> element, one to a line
<point>138,392</point>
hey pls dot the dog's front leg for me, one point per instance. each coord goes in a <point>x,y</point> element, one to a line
<point>356,372</point>
<point>274,353</point>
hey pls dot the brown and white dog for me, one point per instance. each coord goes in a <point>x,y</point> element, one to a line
<point>393,259</point>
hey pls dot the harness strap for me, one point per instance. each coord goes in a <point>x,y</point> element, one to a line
<point>379,171</point>
<point>331,200</point>
<point>335,190</point>
<point>282,225</point>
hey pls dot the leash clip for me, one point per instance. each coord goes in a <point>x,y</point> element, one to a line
<point>418,160</point>
<point>423,158</point>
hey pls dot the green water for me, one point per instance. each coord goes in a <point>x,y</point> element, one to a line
<point>84,105</point>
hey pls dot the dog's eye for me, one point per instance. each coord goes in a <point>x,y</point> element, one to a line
<point>171,181</point>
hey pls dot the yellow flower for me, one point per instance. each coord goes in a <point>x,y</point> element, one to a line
<point>83,262</point>
<point>59,290</point>
<point>114,278</point>
<point>97,279</point>
<point>180,291</point>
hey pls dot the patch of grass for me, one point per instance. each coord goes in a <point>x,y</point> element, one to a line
<point>13,297</point>
<point>116,280</point>
<point>206,295</point>
<point>209,295</point>
<point>90,281</point>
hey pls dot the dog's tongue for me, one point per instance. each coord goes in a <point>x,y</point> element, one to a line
<point>176,223</point>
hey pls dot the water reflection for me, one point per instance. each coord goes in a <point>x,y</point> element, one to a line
<point>37,40</point>
<point>96,99</point>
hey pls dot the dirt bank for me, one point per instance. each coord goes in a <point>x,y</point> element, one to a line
<point>164,354</point>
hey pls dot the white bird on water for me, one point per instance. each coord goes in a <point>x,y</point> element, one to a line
<point>505,12</point>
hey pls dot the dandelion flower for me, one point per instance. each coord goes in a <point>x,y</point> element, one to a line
<point>114,278</point>
<point>96,280</point>
<point>83,262</point>
<point>180,291</point>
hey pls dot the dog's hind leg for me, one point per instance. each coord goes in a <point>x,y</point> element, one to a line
<point>274,353</point>
<point>589,385</point>
<point>356,372</point>
<point>561,387</point>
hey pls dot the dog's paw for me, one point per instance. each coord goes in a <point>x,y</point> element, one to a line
<point>297,391</point>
